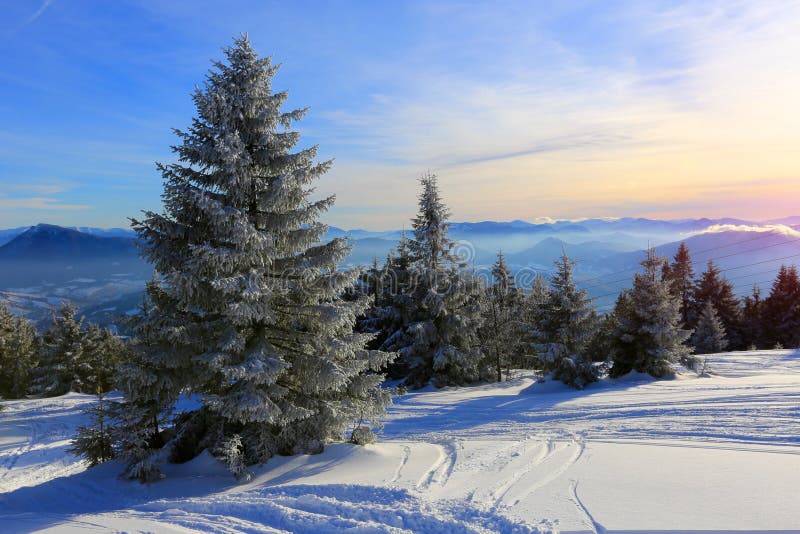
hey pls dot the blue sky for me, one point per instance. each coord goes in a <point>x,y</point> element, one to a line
<point>525,109</point>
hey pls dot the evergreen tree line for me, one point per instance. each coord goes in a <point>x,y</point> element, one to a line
<point>68,356</point>
<point>720,320</point>
<point>461,329</point>
<point>450,327</point>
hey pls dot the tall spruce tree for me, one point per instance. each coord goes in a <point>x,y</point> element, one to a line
<point>680,275</point>
<point>782,309</point>
<point>709,335</point>
<point>650,338</point>
<point>247,311</point>
<point>565,328</point>
<point>716,289</point>
<point>438,338</point>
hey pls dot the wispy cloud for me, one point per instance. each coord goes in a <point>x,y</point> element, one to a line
<point>39,12</point>
<point>562,131</point>
<point>39,196</point>
<point>30,19</point>
<point>43,188</point>
<point>558,109</point>
<point>39,203</point>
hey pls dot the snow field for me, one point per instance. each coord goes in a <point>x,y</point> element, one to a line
<point>718,453</point>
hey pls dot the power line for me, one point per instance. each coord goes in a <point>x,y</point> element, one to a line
<point>695,263</point>
<point>616,293</point>
<point>737,294</point>
<point>758,263</point>
<point>711,249</point>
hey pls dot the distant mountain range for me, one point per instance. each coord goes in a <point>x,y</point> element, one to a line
<point>10,233</point>
<point>47,242</point>
<point>102,271</point>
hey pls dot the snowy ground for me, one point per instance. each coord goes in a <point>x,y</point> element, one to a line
<point>720,453</point>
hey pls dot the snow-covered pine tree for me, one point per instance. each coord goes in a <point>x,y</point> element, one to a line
<point>716,289</point>
<point>603,343</point>
<point>501,332</point>
<point>782,309</point>
<point>650,338</point>
<point>539,294</point>
<point>94,443</point>
<point>19,346</point>
<point>709,335</point>
<point>623,348</point>
<point>431,245</point>
<point>19,355</point>
<point>374,282</point>
<point>6,323</point>
<point>535,310</point>
<point>438,339</point>
<point>61,363</point>
<point>565,329</point>
<point>377,283</point>
<point>680,275</point>
<point>103,352</point>
<point>150,383</point>
<point>247,313</point>
<point>394,307</point>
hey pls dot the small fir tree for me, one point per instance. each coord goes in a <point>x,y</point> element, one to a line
<point>680,275</point>
<point>601,346</point>
<point>709,336</point>
<point>94,443</point>
<point>19,350</point>
<point>501,331</point>
<point>62,367</point>
<point>394,306</point>
<point>566,326</point>
<point>782,309</point>
<point>103,352</point>
<point>147,379</point>
<point>716,289</point>
<point>534,312</point>
<point>753,331</point>
<point>649,338</point>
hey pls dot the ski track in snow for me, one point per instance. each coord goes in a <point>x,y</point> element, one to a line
<point>403,462</point>
<point>512,457</point>
<point>597,527</point>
